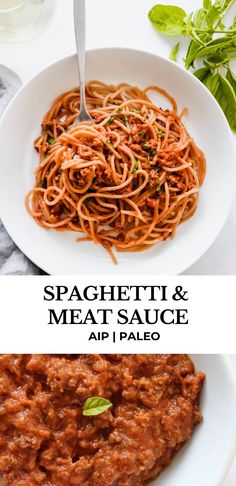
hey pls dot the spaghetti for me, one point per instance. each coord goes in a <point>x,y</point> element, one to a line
<point>128,180</point>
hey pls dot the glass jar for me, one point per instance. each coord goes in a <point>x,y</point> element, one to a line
<point>21,20</point>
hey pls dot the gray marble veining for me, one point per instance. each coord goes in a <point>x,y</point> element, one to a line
<point>12,260</point>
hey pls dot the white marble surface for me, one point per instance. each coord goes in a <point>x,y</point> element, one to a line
<point>126,26</point>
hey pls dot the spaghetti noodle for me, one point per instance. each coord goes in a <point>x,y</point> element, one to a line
<point>128,180</point>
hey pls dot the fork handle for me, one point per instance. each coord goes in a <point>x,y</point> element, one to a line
<point>80,35</point>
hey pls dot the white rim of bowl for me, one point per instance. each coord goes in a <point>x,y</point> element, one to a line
<point>229,368</point>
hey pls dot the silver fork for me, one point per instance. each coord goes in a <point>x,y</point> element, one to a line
<point>80,35</point>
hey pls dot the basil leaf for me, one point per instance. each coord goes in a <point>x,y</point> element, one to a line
<point>228,40</point>
<point>192,49</point>
<point>188,24</point>
<point>217,11</point>
<point>212,82</point>
<point>233,25</point>
<point>199,18</point>
<point>221,25</point>
<point>212,15</point>
<point>196,37</point>
<point>223,5</point>
<point>207,4</point>
<point>224,93</point>
<point>202,73</point>
<point>213,47</point>
<point>194,46</point>
<point>167,19</point>
<point>95,405</point>
<point>217,59</point>
<point>232,79</point>
<point>226,98</point>
<point>174,52</point>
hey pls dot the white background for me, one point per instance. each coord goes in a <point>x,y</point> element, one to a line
<point>119,23</point>
<point>210,308</point>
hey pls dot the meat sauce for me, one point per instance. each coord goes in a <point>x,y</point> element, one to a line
<point>46,440</point>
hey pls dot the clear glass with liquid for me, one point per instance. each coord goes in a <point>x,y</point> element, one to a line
<point>21,20</point>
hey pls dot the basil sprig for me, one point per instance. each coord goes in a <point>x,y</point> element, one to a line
<point>95,406</point>
<point>211,49</point>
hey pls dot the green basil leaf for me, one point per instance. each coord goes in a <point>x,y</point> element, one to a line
<point>197,38</point>
<point>217,11</point>
<point>228,40</point>
<point>223,5</point>
<point>212,82</point>
<point>194,46</point>
<point>167,19</point>
<point>221,25</point>
<point>199,18</point>
<point>226,98</point>
<point>211,16</point>
<point>233,25</point>
<point>218,58</point>
<point>174,52</point>
<point>207,4</point>
<point>188,24</point>
<point>232,79</point>
<point>226,44</point>
<point>95,406</point>
<point>202,73</point>
<point>192,49</point>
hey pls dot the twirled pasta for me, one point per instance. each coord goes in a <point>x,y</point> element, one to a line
<point>128,180</point>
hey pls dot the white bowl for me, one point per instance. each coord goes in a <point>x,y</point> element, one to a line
<point>206,458</point>
<point>58,253</point>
